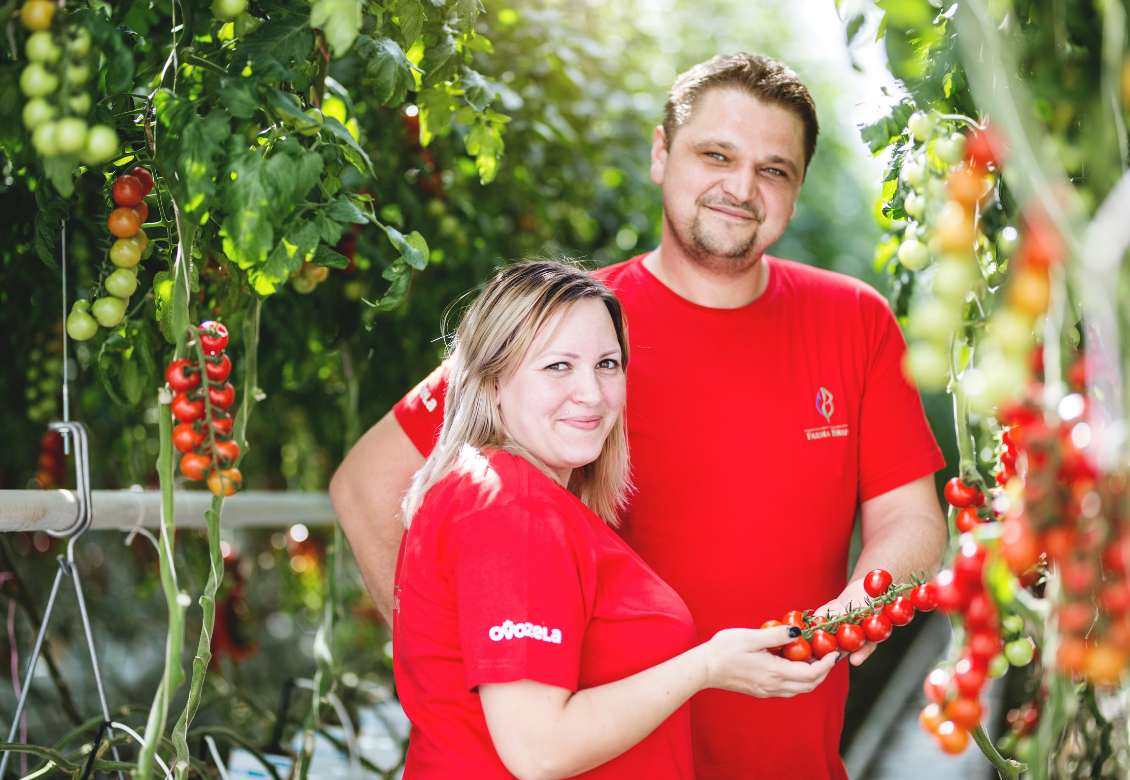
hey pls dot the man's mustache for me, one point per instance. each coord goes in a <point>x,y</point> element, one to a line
<point>754,212</point>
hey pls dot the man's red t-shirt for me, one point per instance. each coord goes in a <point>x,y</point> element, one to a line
<point>503,576</point>
<point>755,433</point>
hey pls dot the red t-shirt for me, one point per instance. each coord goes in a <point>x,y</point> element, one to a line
<point>755,433</point>
<point>504,575</point>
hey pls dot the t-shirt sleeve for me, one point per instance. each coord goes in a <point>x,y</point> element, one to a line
<point>420,413</point>
<point>523,588</point>
<point>896,445</point>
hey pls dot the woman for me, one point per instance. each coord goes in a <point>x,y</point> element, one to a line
<point>530,640</point>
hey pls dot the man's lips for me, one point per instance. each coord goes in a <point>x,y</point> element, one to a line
<point>730,213</point>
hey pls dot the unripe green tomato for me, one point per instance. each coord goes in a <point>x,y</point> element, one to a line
<point>1019,652</point>
<point>953,278</point>
<point>1006,745</point>
<point>79,104</point>
<point>79,43</point>
<point>36,112</point>
<point>1012,330</point>
<point>228,10</point>
<point>122,282</point>
<point>80,325</point>
<point>41,48</point>
<point>913,254</point>
<point>1008,240</point>
<point>920,125</point>
<point>951,149</point>
<point>37,81</point>
<point>914,205</point>
<point>44,140</point>
<point>70,135</point>
<point>303,284</point>
<point>108,310</point>
<point>77,75</point>
<point>933,320</point>
<point>998,667</point>
<point>125,253</point>
<point>937,189</point>
<point>101,145</point>
<point>245,24</point>
<point>1012,625</point>
<point>448,224</point>
<point>314,125</point>
<point>928,365</point>
<point>914,172</point>
<point>1025,751</point>
<point>288,116</point>
<point>435,207</point>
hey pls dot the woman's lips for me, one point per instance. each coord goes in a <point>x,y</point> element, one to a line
<point>582,423</point>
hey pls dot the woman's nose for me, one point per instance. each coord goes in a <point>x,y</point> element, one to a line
<point>587,389</point>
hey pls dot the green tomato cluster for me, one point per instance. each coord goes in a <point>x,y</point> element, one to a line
<point>56,83</point>
<point>108,310</point>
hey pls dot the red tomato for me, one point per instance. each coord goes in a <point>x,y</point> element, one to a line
<point>794,618</point>
<point>1058,542</point>
<point>900,611</point>
<point>950,598</point>
<point>876,582</point>
<point>968,566</point>
<point>179,379</point>
<point>984,149</point>
<point>817,619</point>
<point>123,222</point>
<point>225,481</point>
<point>227,452</point>
<point>186,409</point>
<point>966,519</point>
<point>983,645</point>
<point>936,686</point>
<point>773,624</point>
<point>1075,617</point>
<point>1008,457</point>
<point>981,613</point>
<point>968,678</point>
<point>952,738</point>
<point>930,718</point>
<point>1078,576</point>
<point>218,371</point>
<point>142,211</point>
<point>146,179</point>
<point>194,465</point>
<point>213,337</point>
<point>1071,656</point>
<point>959,494</point>
<point>222,425</point>
<point>1116,555</point>
<point>1115,597</point>
<point>964,711</point>
<point>128,191</point>
<point>221,396</point>
<point>823,643</point>
<point>186,438</point>
<point>1019,547</point>
<point>797,650</point>
<point>924,597</point>
<point>850,637</point>
<point>877,627</point>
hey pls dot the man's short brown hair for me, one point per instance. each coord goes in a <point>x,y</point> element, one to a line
<point>769,80</point>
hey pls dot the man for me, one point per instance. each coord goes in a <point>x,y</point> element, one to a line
<point>766,404</point>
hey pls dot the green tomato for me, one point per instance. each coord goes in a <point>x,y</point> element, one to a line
<point>1012,331</point>
<point>951,150</point>
<point>80,104</point>
<point>36,112</point>
<point>245,24</point>
<point>77,75</point>
<point>914,205</point>
<point>101,145</point>
<point>1012,625</point>
<point>303,284</point>
<point>998,667</point>
<point>122,283</point>
<point>1019,651</point>
<point>928,365</point>
<point>70,135</point>
<point>1025,751</point>
<point>920,125</point>
<point>125,253</point>
<point>914,172</point>
<point>933,320</point>
<point>288,116</point>
<point>313,125</point>
<point>79,44</point>
<point>37,81</point>
<point>913,254</point>
<point>109,311</point>
<point>80,325</point>
<point>228,10</point>
<point>44,140</point>
<point>953,279</point>
<point>41,48</point>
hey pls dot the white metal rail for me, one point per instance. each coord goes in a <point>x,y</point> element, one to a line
<point>55,510</point>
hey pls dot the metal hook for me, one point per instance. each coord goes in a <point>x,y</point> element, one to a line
<point>85,512</point>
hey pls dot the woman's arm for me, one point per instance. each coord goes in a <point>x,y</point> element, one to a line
<point>542,732</point>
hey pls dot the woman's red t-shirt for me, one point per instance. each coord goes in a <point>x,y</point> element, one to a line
<point>503,576</point>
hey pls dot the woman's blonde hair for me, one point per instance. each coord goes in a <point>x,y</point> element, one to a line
<point>488,346</point>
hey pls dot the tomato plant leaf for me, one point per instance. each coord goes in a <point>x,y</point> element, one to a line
<point>436,107</point>
<point>882,133</point>
<point>345,210</point>
<point>329,258</point>
<point>239,96</point>
<point>413,248</point>
<point>388,67</point>
<point>52,210</point>
<point>467,11</point>
<point>297,245</point>
<point>439,61</point>
<point>283,39</point>
<point>400,275</point>
<point>120,66</point>
<point>163,300</point>
<point>329,230</point>
<point>410,14</point>
<point>60,172</point>
<point>354,154</point>
<point>478,91</point>
<point>340,22</point>
<point>200,144</point>
<point>484,143</point>
<point>248,200</point>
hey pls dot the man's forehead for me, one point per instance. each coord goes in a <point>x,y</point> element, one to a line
<point>735,121</point>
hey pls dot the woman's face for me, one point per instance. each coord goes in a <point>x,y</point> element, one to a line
<point>568,391</point>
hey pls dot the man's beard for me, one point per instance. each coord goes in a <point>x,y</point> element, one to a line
<point>705,250</point>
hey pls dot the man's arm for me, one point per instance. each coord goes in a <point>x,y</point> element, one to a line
<point>903,531</point>
<point>366,493</point>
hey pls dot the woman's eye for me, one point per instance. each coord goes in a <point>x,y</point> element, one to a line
<point>557,366</point>
<point>608,363</point>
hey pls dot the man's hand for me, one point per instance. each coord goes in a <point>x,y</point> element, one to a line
<point>852,598</point>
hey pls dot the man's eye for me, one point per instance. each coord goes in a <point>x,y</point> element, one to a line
<point>716,156</point>
<point>777,172</point>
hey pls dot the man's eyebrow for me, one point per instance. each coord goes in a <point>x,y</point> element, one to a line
<point>775,158</point>
<point>710,143</point>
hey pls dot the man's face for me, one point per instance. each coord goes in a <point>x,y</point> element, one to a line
<point>730,179</point>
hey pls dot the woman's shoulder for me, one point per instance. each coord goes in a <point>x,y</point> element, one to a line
<point>484,480</point>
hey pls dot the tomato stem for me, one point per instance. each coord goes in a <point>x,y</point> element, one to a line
<point>855,615</point>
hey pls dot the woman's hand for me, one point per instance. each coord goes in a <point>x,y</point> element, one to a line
<point>738,659</point>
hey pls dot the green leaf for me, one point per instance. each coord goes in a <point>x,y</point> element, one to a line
<point>345,210</point>
<point>279,41</point>
<point>478,91</point>
<point>163,298</point>
<point>354,154</point>
<point>413,248</point>
<point>853,26</point>
<point>60,171</point>
<point>340,22</point>
<point>248,201</point>
<point>240,96</point>
<point>329,258</point>
<point>52,210</point>
<point>400,274</point>
<point>484,143</point>
<point>388,67</point>
<point>440,58</point>
<point>108,38</point>
<point>297,245</point>
<point>200,144</point>
<point>436,104</point>
<point>467,11</point>
<point>882,133</point>
<point>411,16</point>
<point>329,230</point>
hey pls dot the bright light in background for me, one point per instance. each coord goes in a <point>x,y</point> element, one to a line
<point>299,532</point>
<point>1071,406</point>
<point>411,110</point>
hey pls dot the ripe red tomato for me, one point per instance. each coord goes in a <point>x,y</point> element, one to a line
<point>773,624</point>
<point>964,711</point>
<point>1116,555</point>
<point>1078,576</point>
<point>186,438</point>
<point>123,222</point>
<point>222,425</point>
<point>850,637</point>
<point>966,519</point>
<point>1008,436</point>
<point>876,582</point>
<point>213,337</point>
<point>142,211</point>
<point>968,678</point>
<point>179,379</point>
<point>221,396</point>
<point>981,613</point>
<point>797,650</point>
<point>1115,597</point>
<point>959,494</point>
<point>1075,617</point>
<point>794,618</point>
<point>225,481</point>
<point>1058,542</point>
<point>968,565</point>
<point>900,611</point>
<point>877,627</point>
<point>930,718</point>
<point>146,179</point>
<point>185,409</point>
<point>984,149</point>
<point>950,598</point>
<point>1019,547</point>
<point>936,686</point>
<point>983,645</point>
<point>128,191</point>
<point>823,643</point>
<point>1071,656</point>
<point>952,738</point>
<point>219,370</point>
<point>194,465</point>
<point>227,452</point>
<point>924,597</point>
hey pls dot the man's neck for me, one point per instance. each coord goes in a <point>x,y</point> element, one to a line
<point>691,281</point>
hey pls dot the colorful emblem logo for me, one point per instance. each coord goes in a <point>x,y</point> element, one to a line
<point>824,404</point>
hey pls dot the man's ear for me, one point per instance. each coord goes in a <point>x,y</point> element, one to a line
<point>658,155</point>
<point>794,210</point>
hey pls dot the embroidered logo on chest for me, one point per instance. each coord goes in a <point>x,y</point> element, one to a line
<point>826,407</point>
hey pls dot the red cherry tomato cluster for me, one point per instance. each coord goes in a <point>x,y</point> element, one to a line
<point>126,220</point>
<point>204,427</point>
<point>887,607</point>
<point>52,462</point>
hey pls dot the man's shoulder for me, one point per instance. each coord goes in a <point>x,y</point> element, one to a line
<point>828,286</point>
<point>620,275</point>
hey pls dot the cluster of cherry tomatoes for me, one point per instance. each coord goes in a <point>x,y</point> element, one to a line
<point>200,402</point>
<point>61,62</point>
<point>125,253</point>
<point>887,607</point>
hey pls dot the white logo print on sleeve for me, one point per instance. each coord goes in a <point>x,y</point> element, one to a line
<point>511,630</point>
<point>429,400</point>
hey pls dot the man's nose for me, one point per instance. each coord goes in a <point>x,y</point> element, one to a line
<point>741,185</point>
